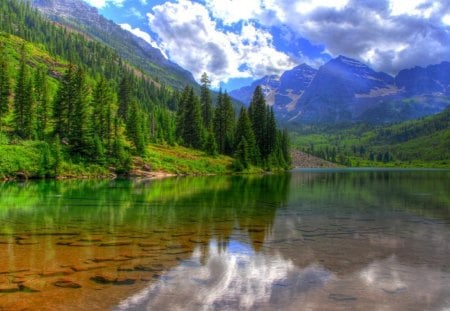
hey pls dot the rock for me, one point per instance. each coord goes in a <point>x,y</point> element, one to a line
<point>124,281</point>
<point>51,273</point>
<point>149,268</point>
<point>9,288</point>
<point>66,284</point>
<point>102,279</point>
<point>105,259</point>
<point>116,243</point>
<point>148,244</point>
<point>87,267</point>
<point>81,244</point>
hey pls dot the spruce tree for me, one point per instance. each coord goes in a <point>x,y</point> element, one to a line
<point>206,101</point>
<point>5,88</point>
<point>24,101</point>
<point>223,124</point>
<point>244,129</point>
<point>270,138</point>
<point>63,103</point>
<point>103,113</point>
<point>42,102</point>
<point>258,117</point>
<point>134,127</point>
<point>193,125</point>
<point>125,96</point>
<point>79,125</point>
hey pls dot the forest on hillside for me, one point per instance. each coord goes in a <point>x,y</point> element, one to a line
<point>66,99</point>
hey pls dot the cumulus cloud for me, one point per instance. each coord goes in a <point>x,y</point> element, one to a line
<point>192,38</point>
<point>390,35</point>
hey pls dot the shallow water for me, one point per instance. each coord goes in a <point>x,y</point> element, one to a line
<point>309,240</point>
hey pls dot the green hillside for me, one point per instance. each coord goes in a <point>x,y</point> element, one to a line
<point>71,107</point>
<point>418,143</point>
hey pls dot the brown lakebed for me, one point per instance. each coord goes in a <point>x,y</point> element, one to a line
<point>322,240</point>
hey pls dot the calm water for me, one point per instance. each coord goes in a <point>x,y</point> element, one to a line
<point>309,240</point>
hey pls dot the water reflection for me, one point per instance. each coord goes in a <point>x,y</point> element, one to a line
<point>234,278</point>
<point>335,240</point>
<point>109,239</point>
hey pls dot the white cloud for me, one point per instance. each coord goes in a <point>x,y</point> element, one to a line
<point>194,41</point>
<point>102,3</point>
<point>233,11</point>
<point>141,34</point>
<point>389,34</point>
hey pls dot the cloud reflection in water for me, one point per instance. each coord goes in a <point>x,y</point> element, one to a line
<point>232,278</point>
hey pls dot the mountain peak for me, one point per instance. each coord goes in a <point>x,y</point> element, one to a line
<point>347,61</point>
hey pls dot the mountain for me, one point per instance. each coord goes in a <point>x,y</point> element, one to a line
<point>345,90</point>
<point>79,16</point>
<point>282,92</point>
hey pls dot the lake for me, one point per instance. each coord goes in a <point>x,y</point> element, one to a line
<point>307,240</point>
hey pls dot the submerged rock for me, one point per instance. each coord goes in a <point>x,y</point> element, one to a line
<point>66,284</point>
<point>102,279</point>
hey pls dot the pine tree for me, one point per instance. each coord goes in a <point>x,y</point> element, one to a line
<point>24,101</point>
<point>63,103</point>
<point>42,102</point>
<point>270,138</point>
<point>223,124</point>
<point>244,129</point>
<point>5,88</point>
<point>103,113</point>
<point>285,148</point>
<point>134,127</point>
<point>206,101</point>
<point>125,96</point>
<point>79,125</point>
<point>192,133</point>
<point>211,145</point>
<point>242,153</point>
<point>258,117</point>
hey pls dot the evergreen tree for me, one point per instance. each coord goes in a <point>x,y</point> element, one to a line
<point>103,113</point>
<point>125,96</point>
<point>258,117</point>
<point>211,145</point>
<point>270,138</point>
<point>285,148</point>
<point>79,125</point>
<point>134,127</point>
<point>244,130</point>
<point>42,102</point>
<point>223,124</point>
<point>24,101</point>
<point>63,103</point>
<point>242,153</point>
<point>5,87</point>
<point>206,101</point>
<point>192,132</point>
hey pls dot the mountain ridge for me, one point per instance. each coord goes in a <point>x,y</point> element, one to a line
<point>81,16</point>
<point>347,90</point>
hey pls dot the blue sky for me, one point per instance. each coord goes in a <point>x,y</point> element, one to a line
<point>237,41</point>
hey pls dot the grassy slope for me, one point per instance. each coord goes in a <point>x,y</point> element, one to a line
<point>182,160</point>
<point>417,143</point>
